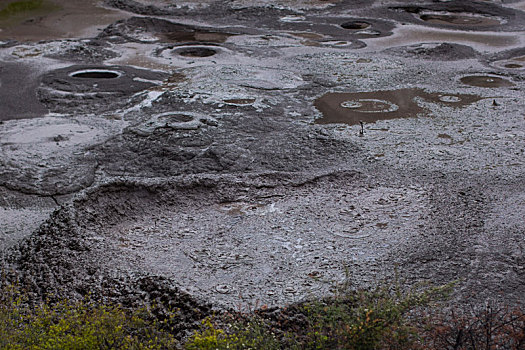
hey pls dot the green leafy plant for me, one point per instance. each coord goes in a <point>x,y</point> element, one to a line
<point>76,325</point>
<point>352,319</point>
<point>245,332</point>
<point>17,7</point>
<point>366,319</point>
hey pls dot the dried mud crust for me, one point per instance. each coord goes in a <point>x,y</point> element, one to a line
<point>436,51</point>
<point>277,206</point>
<point>90,51</point>
<point>59,163</point>
<point>221,239</point>
<point>277,238</point>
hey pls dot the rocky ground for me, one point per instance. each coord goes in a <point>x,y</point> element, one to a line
<point>209,154</point>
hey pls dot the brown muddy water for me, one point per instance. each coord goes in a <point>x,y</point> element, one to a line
<point>369,107</point>
<point>58,19</point>
<point>486,81</point>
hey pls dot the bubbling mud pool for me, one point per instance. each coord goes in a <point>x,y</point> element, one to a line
<point>96,74</point>
<point>355,25</point>
<point>486,81</point>
<point>351,108</point>
<point>197,51</point>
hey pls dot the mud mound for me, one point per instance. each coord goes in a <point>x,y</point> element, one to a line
<point>163,148</point>
<point>436,51</point>
<point>94,87</point>
<point>277,239</point>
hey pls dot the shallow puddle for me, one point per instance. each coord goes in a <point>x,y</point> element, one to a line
<point>486,81</point>
<point>410,35</point>
<point>351,108</point>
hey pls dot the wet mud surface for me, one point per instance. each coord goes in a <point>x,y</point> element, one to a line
<point>202,154</point>
<point>369,107</point>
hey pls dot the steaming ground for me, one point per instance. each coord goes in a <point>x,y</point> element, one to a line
<point>204,154</point>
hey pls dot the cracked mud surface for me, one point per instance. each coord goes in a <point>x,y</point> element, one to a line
<point>199,154</point>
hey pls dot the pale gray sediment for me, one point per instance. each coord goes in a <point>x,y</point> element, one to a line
<point>186,162</point>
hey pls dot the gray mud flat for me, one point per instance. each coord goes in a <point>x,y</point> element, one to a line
<point>202,154</point>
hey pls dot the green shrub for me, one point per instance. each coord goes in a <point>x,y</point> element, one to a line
<point>363,319</point>
<point>22,6</point>
<point>249,332</point>
<point>79,325</point>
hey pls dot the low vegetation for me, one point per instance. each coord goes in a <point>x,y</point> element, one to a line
<point>361,319</point>
<point>17,7</point>
<point>384,318</point>
<point>17,10</point>
<point>80,325</point>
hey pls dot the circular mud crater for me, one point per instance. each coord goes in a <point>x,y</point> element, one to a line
<point>121,80</point>
<point>355,25</point>
<point>96,74</point>
<point>195,51</point>
<point>215,237</point>
<point>512,63</point>
<point>486,81</point>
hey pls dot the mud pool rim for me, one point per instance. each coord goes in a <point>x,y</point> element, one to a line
<point>96,73</point>
<point>355,25</point>
<point>195,51</point>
